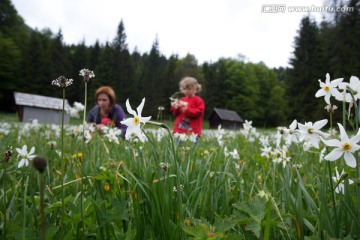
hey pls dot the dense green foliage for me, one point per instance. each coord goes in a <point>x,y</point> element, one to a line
<point>250,185</point>
<point>30,59</point>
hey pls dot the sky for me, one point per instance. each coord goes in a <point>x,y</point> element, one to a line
<point>252,30</point>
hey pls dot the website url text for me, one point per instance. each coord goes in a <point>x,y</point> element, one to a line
<point>282,8</point>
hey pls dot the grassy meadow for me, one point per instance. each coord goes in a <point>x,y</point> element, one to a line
<point>242,184</point>
<point>78,182</point>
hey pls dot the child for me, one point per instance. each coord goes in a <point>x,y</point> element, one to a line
<point>189,110</point>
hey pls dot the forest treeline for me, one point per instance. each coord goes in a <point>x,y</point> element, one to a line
<point>30,59</point>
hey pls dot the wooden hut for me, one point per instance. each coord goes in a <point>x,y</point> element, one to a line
<point>226,118</point>
<point>42,108</point>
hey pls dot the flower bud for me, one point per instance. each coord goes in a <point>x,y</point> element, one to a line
<point>39,163</point>
<point>8,154</point>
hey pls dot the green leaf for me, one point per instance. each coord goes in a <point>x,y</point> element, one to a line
<point>255,228</point>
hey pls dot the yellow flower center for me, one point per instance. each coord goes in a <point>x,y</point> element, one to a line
<point>326,88</point>
<point>187,221</point>
<point>347,147</point>
<point>136,120</point>
<point>310,130</point>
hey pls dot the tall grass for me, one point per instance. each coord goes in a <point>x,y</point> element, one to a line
<point>163,189</point>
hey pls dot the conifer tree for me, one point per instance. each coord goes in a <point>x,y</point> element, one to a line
<point>59,57</point>
<point>36,79</point>
<point>302,82</point>
<point>171,82</point>
<point>347,45</point>
<point>104,70</point>
<point>123,82</point>
<point>13,41</point>
<point>94,53</point>
<point>79,59</point>
<point>268,85</point>
<point>214,89</point>
<point>153,79</point>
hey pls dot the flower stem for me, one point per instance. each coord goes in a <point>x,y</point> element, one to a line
<point>4,199</point>
<point>163,125</point>
<point>357,130</point>
<point>82,167</point>
<point>24,208</point>
<point>331,125</point>
<point>63,164</point>
<point>85,104</point>
<point>357,152</point>
<point>333,199</point>
<point>344,114</point>
<point>42,213</point>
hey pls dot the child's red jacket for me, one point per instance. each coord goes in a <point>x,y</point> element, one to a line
<point>191,120</point>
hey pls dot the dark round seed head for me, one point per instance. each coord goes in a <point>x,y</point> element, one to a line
<point>39,163</point>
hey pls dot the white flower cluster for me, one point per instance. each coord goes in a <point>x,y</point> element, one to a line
<point>341,91</point>
<point>182,137</point>
<point>175,102</point>
<point>234,154</point>
<point>86,72</point>
<point>5,128</point>
<point>339,181</point>
<point>111,134</point>
<point>62,82</point>
<point>75,109</point>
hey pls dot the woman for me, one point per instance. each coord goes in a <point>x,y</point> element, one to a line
<point>106,112</point>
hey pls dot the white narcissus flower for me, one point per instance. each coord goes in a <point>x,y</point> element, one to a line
<point>181,137</point>
<point>133,124</point>
<point>193,137</point>
<point>311,132</point>
<point>353,86</point>
<point>25,155</point>
<point>74,113</point>
<point>340,186</point>
<point>173,101</point>
<point>264,140</point>
<point>281,156</point>
<point>247,125</point>
<point>292,135</point>
<point>344,147</point>
<point>79,106</point>
<point>235,154</point>
<point>328,88</point>
<point>112,134</point>
<point>266,151</point>
<point>321,154</point>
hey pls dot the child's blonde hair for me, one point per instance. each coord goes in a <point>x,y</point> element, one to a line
<point>189,83</point>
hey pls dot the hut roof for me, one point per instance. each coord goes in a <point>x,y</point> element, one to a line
<point>33,100</point>
<point>228,115</point>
